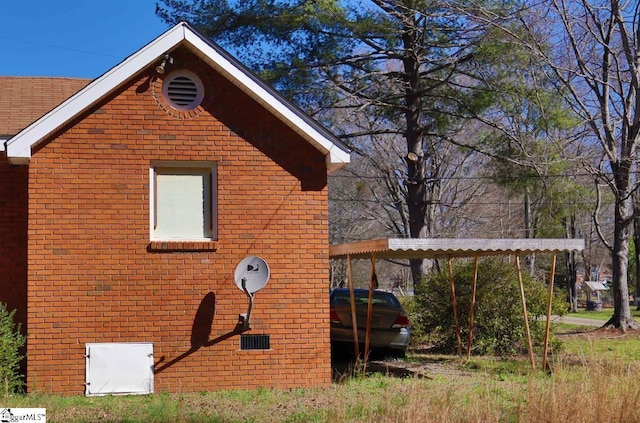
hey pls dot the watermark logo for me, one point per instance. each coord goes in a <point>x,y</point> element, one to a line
<point>23,415</point>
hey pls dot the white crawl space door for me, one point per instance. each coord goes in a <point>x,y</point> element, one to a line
<point>119,368</point>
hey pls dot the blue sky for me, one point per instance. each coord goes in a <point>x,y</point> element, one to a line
<point>75,38</point>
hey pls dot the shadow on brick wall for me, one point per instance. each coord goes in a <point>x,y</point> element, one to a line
<point>200,332</point>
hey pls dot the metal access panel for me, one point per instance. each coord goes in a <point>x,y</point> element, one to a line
<point>119,368</point>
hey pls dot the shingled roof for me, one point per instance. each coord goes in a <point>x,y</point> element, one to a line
<point>25,99</point>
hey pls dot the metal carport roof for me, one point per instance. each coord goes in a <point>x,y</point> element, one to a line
<point>449,248</point>
<point>412,248</point>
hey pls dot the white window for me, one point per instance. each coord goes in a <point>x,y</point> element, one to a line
<point>183,201</point>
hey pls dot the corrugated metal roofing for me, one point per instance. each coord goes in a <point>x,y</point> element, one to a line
<point>411,248</point>
<point>596,286</point>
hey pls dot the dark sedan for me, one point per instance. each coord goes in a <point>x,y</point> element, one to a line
<point>389,322</point>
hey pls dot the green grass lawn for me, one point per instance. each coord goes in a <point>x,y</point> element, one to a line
<point>603,315</point>
<point>612,345</point>
<point>589,382</point>
<point>593,379</point>
<point>598,383</point>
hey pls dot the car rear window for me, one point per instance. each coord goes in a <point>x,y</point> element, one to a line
<point>362,297</point>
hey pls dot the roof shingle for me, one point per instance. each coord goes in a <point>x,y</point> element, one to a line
<point>25,99</point>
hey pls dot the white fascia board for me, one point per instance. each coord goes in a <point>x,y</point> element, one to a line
<point>2,142</point>
<point>336,156</point>
<point>19,147</point>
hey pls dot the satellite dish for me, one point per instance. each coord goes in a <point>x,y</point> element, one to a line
<point>252,274</point>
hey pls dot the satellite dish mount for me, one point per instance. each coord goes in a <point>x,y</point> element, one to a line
<point>251,275</point>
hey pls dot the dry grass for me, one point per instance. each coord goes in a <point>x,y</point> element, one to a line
<point>583,386</point>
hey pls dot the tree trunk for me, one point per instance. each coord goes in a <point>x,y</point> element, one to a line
<point>636,243</point>
<point>621,318</point>
<point>530,260</point>
<point>417,189</point>
<point>571,260</point>
<point>571,281</point>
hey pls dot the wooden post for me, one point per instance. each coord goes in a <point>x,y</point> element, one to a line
<point>552,276</point>
<point>526,317</point>
<point>455,307</point>
<point>367,335</point>
<point>354,323</point>
<point>473,305</point>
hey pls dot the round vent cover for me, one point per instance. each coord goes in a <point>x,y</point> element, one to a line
<point>183,90</point>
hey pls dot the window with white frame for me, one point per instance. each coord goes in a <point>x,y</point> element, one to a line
<point>183,201</point>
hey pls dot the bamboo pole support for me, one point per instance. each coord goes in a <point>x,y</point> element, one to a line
<point>526,316</point>
<point>455,307</point>
<point>473,305</point>
<point>552,276</point>
<point>354,323</point>
<point>367,336</point>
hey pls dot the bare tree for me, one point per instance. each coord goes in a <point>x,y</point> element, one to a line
<point>397,61</point>
<point>594,58</point>
<point>369,198</point>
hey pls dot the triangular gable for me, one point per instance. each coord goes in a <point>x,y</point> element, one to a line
<point>19,147</point>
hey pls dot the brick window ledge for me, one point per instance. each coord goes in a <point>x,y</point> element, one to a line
<point>176,246</point>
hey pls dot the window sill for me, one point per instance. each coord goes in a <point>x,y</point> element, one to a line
<point>176,246</point>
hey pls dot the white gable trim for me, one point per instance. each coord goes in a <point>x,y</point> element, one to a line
<point>19,147</point>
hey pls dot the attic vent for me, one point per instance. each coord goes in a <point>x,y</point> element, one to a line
<point>183,90</point>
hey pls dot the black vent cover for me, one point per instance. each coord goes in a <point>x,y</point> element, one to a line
<point>182,91</point>
<point>254,342</point>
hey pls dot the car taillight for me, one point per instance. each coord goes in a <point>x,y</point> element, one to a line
<point>333,316</point>
<point>402,321</point>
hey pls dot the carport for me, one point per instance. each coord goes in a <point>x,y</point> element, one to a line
<point>450,248</point>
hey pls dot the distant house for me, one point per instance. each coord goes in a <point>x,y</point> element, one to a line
<point>126,206</point>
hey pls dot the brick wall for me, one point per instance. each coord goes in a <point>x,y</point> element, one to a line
<point>93,276</point>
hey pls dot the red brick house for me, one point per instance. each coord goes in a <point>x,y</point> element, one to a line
<point>126,208</point>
